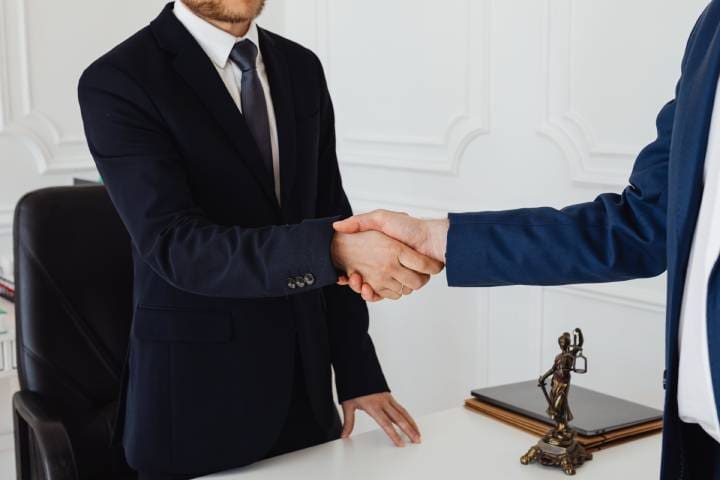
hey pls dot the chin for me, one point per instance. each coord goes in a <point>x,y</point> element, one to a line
<point>247,9</point>
<point>227,10</point>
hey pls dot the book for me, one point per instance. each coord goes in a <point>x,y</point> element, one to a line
<point>601,420</point>
<point>7,289</point>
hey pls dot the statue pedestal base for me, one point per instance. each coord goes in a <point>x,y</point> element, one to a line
<point>567,457</point>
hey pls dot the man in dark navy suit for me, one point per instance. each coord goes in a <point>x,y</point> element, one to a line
<point>668,218</point>
<point>216,141</point>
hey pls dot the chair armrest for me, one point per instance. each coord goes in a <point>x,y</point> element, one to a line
<point>56,458</point>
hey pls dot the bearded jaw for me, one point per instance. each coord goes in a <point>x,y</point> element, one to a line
<point>226,11</point>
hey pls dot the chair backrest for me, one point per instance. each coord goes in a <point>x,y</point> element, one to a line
<point>73,312</point>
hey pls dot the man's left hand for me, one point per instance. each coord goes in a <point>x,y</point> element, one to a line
<point>383,408</point>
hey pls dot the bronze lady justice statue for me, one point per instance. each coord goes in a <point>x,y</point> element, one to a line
<point>559,446</point>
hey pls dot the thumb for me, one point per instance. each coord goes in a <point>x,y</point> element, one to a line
<point>349,225</point>
<point>359,223</point>
<point>348,419</point>
<point>413,260</point>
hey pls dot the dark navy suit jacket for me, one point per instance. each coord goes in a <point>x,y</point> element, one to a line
<point>227,282</point>
<point>640,233</point>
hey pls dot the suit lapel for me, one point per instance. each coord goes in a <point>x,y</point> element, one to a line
<point>693,118</point>
<point>283,101</point>
<point>694,127</point>
<point>198,71</point>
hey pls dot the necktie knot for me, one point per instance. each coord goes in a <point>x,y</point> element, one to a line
<point>244,54</point>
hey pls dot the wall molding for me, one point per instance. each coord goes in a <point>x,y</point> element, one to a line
<point>592,163</point>
<point>53,151</point>
<point>6,220</point>
<point>443,153</point>
<point>596,293</point>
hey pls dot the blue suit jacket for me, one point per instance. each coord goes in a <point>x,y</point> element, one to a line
<point>640,233</point>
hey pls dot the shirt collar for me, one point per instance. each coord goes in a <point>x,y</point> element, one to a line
<point>216,43</point>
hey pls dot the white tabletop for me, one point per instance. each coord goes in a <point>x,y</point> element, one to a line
<point>456,444</point>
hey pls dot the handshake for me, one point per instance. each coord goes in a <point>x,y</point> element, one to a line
<point>387,255</point>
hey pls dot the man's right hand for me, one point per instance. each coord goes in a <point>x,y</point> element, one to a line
<point>428,237</point>
<point>390,267</point>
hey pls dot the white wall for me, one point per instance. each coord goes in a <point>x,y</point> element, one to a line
<point>44,46</point>
<point>476,105</point>
<point>442,106</point>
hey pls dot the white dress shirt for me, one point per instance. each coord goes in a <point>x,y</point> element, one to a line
<point>696,397</point>
<point>217,45</point>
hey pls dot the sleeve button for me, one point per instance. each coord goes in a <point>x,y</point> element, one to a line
<point>291,283</point>
<point>300,281</point>
<point>309,279</point>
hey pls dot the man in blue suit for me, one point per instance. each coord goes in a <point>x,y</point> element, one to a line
<point>668,218</point>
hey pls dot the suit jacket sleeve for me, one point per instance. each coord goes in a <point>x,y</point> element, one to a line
<point>616,237</point>
<point>357,369</point>
<point>144,174</point>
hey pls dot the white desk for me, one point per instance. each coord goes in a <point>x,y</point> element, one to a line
<point>457,444</point>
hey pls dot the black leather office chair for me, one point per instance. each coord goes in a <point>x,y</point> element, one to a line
<point>74,307</point>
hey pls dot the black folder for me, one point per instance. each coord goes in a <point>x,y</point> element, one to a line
<point>595,413</point>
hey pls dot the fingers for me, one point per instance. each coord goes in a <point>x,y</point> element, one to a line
<point>417,262</point>
<point>409,279</point>
<point>388,414</point>
<point>403,423</point>
<point>385,423</point>
<point>356,282</point>
<point>405,283</point>
<point>390,294</point>
<point>369,295</point>
<point>399,289</point>
<point>394,289</point>
<point>399,408</point>
<point>348,419</point>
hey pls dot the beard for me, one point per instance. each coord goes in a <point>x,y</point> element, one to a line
<point>226,11</point>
